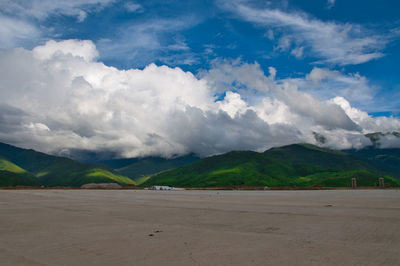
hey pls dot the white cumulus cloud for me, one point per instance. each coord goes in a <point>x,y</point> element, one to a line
<point>75,48</point>
<point>57,98</point>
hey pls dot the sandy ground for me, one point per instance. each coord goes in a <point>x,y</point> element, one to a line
<point>128,227</point>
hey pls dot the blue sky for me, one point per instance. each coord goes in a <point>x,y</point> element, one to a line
<point>191,34</point>
<point>325,48</point>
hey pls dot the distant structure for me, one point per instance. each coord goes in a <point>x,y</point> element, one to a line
<point>164,188</point>
<point>354,183</point>
<point>381,182</point>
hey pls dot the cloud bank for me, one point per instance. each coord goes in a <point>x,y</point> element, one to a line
<point>57,97</point>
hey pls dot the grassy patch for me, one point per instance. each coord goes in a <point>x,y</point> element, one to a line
<point>10,167</point>
<point>97,173</point>
<point>141,179</point>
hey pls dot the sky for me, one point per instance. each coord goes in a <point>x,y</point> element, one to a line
<point>169,78</point>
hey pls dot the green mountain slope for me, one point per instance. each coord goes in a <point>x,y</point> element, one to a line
<point>233,168</point>
<point>307,158</point>
<point>13,175</point>
<point>386,160</point>
<point>6,165</point>
<point>139,169</point>
<point>59,171</point>
<point>293,165</point>
<point>76,174</point>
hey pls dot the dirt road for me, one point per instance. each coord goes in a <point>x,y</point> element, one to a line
<point>128,227</point>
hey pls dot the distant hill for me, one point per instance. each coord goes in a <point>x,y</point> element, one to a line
<point>55,171</point>
<point>385,160</point>
<point>307,158</point>
<point>139,169</point>
<point>13,175</point>
<point>293,165</point>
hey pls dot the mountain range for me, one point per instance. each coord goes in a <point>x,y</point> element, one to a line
<point>293,165</point>
<point>29,167</point>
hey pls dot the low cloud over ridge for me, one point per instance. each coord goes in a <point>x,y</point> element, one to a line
<point>57,98</point>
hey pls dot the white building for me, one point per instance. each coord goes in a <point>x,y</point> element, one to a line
<point>164,188</point>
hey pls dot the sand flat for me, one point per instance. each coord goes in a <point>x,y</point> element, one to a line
<point>131,227</point>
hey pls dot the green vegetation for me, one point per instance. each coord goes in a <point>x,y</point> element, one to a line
<point>13,175</point>
<point>98,172</point>
<point>142,179</point>
<point>293,165</point>
<point>138,169</point>
<point>10,167</point>
<point>50,170</point>
<point>10,179</point>
<point>385,160</point>
<point>75,174</point>
<point>343,179</point>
